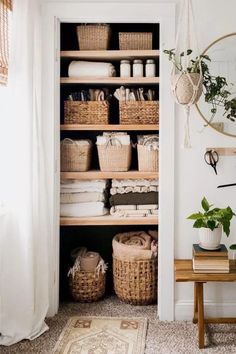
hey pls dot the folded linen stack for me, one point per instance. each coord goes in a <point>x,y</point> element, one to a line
<point>134,197</point>
<point>134,245</point>
<point>83,198</point>
<point>79,68</point>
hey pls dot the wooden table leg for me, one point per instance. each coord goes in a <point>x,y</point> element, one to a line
<point>195,310</point>
<point>201,332</point>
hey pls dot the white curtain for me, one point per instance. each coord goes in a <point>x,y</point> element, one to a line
<point>24,226</point>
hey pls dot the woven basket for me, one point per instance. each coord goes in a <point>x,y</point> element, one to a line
<point>135,40</point>
<point>114,158</point>
<point>183,90</point>
<point>139,112</point>
<point>135,282</point>
<point>90,112</point>
<point>75,157</point>
<point>87,286</point>
<point>93,37</point>
<point>148,160</point>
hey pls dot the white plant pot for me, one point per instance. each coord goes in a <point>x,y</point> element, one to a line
<point>210,240</point>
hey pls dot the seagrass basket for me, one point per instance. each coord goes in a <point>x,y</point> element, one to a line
<point>148,160</point>
<point>114,158</point>
<point>135,282</point>
<point>139,112</point>
<point>93,37</point>
<point>87,286</point>
<point>135,40</point>
<point>89,112</point>
<point>74,156</point>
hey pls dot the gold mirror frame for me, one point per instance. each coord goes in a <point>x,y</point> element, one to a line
<point>196,105</point>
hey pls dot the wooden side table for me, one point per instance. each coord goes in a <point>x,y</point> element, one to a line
<point>184,273</point>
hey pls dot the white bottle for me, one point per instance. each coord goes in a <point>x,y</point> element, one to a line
<point>137,68</point>
<point>150,68</point>
<point>125,68</point>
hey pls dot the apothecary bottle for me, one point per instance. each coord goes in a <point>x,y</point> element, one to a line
<point>150,68</point>
<point>125,68</point>
<point>137,68</point>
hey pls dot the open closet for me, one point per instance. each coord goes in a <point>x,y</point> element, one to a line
<point>96,232</point>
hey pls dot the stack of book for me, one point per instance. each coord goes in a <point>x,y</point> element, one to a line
<point>216,261</point>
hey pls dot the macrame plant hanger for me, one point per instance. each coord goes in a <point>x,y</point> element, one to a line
<point>186,86</point>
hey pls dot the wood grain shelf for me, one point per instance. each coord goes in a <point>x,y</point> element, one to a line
<point>108,220</point>
<point>94,174</point>
<point>108,127</point>
<point>110,80</point>
<point>111,55</point>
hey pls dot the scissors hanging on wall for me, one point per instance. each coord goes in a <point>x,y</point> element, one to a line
<point>211,157</point>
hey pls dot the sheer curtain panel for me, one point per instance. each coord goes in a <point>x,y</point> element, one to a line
<point>5,7</point>
<point>24,226</point>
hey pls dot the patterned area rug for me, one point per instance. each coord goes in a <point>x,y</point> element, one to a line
<point>102,335</point>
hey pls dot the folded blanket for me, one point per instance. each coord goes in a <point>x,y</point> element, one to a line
<point>137,189</point>
<point>87,68</point>
<point>84,197</point>
<point>77,186</point>
<point>134,198</point>
<point>125,213</point>
<point>134,182</point>
<point>147,206</point>
<point>132,246</point>
<point>113,139</point>
<point>83,209</point>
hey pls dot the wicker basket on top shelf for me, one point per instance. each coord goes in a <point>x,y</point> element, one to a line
<point>135,40</point>
<point>86,112</point>
<point>94,36</point>
<point>139,112</point>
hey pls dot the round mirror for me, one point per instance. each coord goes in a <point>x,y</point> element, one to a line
<point>217,105</point>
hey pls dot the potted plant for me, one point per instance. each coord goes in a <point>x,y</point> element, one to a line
<point>210,223</point>
<point>216,89</point>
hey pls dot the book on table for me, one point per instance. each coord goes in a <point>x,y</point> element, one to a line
<point>205,261</point>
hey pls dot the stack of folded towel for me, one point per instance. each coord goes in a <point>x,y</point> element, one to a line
<point>82,198</point>
<point>134,197</point>
<point>135,245</point>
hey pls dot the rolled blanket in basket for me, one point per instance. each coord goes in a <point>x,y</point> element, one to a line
<point>132,246</point>
<point>77,186</point>
<point>86,68</point>
<point>134,198</point>
<point>134,182</point>
<point>89,261</point>
<point>84,197</point>
<point>137,189</point>
<point>83,209</point>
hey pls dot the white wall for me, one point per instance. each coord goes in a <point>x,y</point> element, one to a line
<point>194,178</point>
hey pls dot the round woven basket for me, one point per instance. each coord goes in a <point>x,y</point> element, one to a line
<point>135,282</point>
<point>87,286</point>
<point>183,90</point>
<point>75,157</point>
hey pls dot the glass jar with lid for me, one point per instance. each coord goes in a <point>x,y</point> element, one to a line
<point>137,68</point>
<point>150,68</point>
<point>125,68</point>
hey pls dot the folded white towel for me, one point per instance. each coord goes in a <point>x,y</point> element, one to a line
<point>85,197</point>
<point>137,189</point>
<point>115,211</point>
<point>86,68</point>
<point>147,207</point>
<point>83,209</point>
<point>134,182</point>
<point>77,186</point>
<point>118,139</point>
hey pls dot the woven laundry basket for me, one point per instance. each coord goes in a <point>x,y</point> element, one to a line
<point>89,112</point>
<point>74,156</point>
<point>114,158</point>
<point>93,36</point>
<point>87,286</point>
<point>135,40</point>
<point>148,158</point>
<point>135,282</point>
<point>139,112</point>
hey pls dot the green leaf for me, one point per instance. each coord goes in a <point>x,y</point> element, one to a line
<point>195,216</point>
<point>205,204</point>
<point>198,224</point>
<point>226,227</point>
<point>233,247</point>
<point>211,224</point>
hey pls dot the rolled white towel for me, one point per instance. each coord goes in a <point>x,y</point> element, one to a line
<point>79,68</point>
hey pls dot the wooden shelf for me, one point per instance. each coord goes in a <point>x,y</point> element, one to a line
<point>109,55</point>
<point>109,175</point>
<point>110,80</point>
<point>108,220</point>
<point>108,127</point>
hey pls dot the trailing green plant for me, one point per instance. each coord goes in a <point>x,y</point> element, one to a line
<point>215,88</point>
<point>211,218</point>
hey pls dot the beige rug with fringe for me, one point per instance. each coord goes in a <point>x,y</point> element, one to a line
<point>102,335</point>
